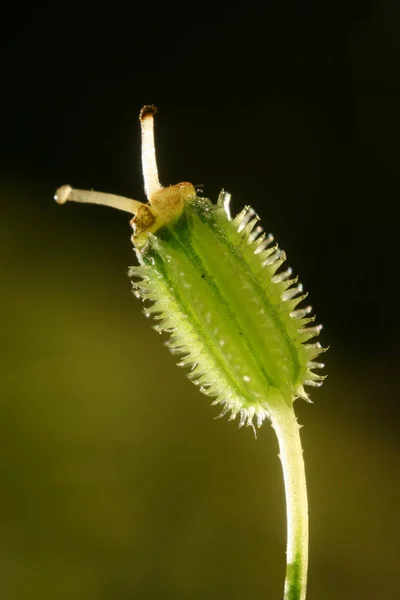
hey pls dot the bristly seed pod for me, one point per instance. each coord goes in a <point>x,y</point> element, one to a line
<point>215,285</point>
<point>215,288</point>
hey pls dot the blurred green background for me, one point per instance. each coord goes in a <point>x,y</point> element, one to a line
<point>115,480</point>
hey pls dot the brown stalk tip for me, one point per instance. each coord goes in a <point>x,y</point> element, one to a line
<point>147,111</point>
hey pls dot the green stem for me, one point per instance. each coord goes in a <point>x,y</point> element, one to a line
<point>291,454</point>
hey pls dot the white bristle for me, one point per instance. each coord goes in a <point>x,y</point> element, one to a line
<point>301,312</point>
<point>289,294</point>
<point>245,219</point>
<point>282,276</point>
<point>315,365</point>
<point>315,329</point>
<point>254,234</point>
<point>312,383</point>
<point>271,259</point>
<point>264,244</point>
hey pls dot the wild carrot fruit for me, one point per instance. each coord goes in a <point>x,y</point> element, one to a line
<point>215,284</point>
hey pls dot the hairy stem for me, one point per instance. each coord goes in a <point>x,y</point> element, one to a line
<point>291,454</point>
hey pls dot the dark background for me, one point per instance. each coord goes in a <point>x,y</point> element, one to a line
<point>115,481</point>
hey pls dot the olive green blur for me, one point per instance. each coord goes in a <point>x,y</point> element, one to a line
<point>116,483</point>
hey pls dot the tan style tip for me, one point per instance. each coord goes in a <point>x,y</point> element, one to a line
<point>147,111</point>
<point>62,194</point>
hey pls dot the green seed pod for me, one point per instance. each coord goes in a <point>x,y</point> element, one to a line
<point>216,285</point>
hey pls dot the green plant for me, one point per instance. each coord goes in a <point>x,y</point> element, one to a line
<point>215,286</point>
